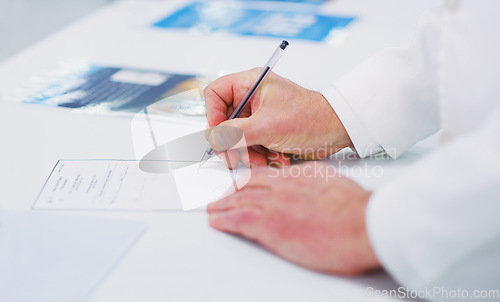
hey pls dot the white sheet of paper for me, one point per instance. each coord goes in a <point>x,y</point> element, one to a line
<point>199,186</point>
<point>122,185</point>
<point>107,185</point>
<point>58,258</point>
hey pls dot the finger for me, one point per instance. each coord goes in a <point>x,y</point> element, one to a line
<point>217,109</point>
<point>229,132</point>
<point>253,159</point>
<point>278,159</point>
<point>314,169</point>
<point>242,221</point>
<point>263,177</point>
<point>245,197</point>
<point>273,158</point>
<point>261,149</point>
<point>231,158</point>
<point>224,94</point>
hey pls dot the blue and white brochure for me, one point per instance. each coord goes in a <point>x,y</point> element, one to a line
<point>235,18</point>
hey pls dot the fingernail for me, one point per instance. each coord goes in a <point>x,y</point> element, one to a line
<point>275,165</point>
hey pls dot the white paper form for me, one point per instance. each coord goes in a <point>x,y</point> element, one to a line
<point>107,185</point>
<point>46,257</point>
<point>122,185</point>
<point>199,186</point>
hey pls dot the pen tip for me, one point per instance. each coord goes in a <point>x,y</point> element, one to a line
<point>203,159</point>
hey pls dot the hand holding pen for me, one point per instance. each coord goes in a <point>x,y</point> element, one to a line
<point>278,118</point>
<point>238,110</point>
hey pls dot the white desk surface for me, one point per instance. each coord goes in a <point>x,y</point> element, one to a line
<point>181,258</point>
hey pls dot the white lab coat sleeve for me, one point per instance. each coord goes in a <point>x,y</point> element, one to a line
<point>390,100</point>
<point>439,223</point>
<point>363,141</point>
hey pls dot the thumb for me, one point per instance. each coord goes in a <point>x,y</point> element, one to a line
<point>228,133</point>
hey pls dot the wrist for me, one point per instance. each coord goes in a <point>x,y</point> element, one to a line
<point>337,137</point>
<point>369,259</point>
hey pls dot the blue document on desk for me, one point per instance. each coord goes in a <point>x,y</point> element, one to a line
<point>234,18</point>
<point>106,89</point>
<point>312,2</point>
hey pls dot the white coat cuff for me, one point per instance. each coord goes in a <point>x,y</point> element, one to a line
<point>363,141</point>
<point>384,232</point>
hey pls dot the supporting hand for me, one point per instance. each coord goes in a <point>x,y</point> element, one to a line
<point>307,214</point>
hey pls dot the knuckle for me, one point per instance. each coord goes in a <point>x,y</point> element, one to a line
<point>208,90</point>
